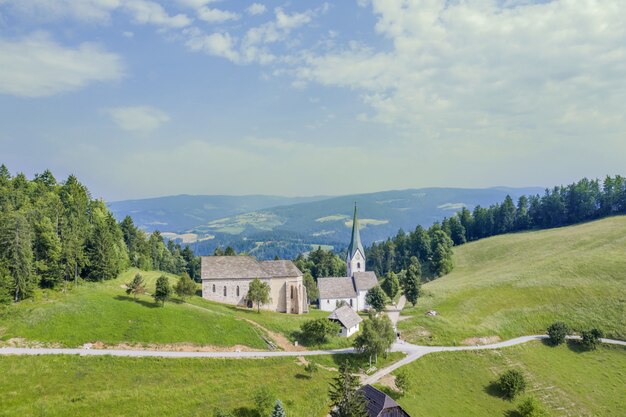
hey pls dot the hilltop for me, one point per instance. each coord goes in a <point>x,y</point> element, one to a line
<point>517,284</point>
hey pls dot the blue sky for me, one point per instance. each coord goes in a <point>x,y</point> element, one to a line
<point>144,98</point>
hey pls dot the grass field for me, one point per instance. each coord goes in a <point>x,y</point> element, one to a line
<point>568,382</point>
<point>517,284</point>
<point>102,312</point>
<point>86,386</point>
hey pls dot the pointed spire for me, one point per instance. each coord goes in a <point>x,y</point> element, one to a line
<point>355,243</point>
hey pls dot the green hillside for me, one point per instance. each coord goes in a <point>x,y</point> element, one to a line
<point>518,284</point>
<point>102,312</point>
<point>566,381</point>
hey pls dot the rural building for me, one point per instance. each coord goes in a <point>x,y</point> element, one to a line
<point>380,404</point>
<point>226,279</point>
<point>348,319</point>
<point>350,290</point>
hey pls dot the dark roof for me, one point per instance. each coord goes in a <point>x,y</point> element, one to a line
<point>336,287</point>
<point>232,267</point>
<point>377,401</point>
<point>364,280</point>
<point>355,242</point>
<point>346,316</point>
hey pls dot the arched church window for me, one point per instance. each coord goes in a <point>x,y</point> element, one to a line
<point>358,265</point>
<point>237,290</point>
<point>292,292</point>
<point>224,290</point>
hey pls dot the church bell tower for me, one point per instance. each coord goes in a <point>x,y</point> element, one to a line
<point>355,258</point>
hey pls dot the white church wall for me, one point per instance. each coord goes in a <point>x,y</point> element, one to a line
<point>330,304</point>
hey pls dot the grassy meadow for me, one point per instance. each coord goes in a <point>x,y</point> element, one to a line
<point>518,284</point>
<point>102,312</point>
<point>567,381</point>
<point>86,386</point>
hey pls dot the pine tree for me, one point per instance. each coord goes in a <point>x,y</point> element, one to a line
<point>16,249</point>
<point>278,411</point>
<point>412,282</point>
<point>163,290</point>
<point>136,287</point>
<point>346,400</point>
<point>391,285</point>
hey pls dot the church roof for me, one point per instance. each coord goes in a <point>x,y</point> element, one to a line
<point>336,287</point>
<point>377,401</point>
<point>233,267</point>
<point>346,316</point>
<point>365,280</point>
<point>355,242</point>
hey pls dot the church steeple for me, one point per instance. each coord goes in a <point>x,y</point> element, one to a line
<point>355,258</point>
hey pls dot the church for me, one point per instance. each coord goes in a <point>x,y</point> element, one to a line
<point>349,290</point>
<point>226,279</point>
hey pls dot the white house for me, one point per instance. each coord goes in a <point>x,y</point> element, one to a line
<point>351,290</point>
<point>347,319</point>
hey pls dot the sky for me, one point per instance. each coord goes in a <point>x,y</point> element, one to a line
<point>142,98</point>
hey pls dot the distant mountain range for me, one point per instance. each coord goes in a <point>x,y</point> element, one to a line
<point>268,225</point>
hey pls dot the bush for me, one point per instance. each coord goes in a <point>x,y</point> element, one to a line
<point>591,338</point>
<point>531,407</point>
<point>222,413</point>
<point>512,383</point>
<point>557,332</point>
<point>319,329</point>
<point>263,400</point>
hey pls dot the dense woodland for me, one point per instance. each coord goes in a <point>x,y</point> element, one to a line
<point>561,206</point>
<point>54,233</point>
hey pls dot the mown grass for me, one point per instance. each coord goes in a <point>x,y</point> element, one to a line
<point>567,381</point>
<point>102,312</point>
<point>88,386</point>
<point>518,284</point>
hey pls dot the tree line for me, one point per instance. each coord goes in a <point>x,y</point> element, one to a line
<point>560,206</point>
<point>54,233</point>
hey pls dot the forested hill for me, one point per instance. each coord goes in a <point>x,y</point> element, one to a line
<point>298,226</point>
<point>54,233</point>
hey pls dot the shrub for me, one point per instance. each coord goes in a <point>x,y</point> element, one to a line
<point>591,338</point>
<point>263,400</point>
<point>531,407</point>
<point>512,383</point>
<point>319,329</point>
<point>557,332</point>
<point>402,382</point>
<point>222,413</point>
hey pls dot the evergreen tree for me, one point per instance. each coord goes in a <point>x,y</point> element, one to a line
<point>312,292</point>
<point>278,411</point>
<point>412,283</point>
<point>346,400</point>
<point>16,250</point>
<point>163,290</point>
<point>391,285</point>
<point>185,287</point>
<point>136,287</point>
<point>47,250</point>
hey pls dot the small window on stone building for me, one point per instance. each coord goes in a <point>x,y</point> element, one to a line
<point>237,290</point>
<point>358,265</point>
<point>292,292</point>
<point>224,291</point>
<point>351,302</point>
<point>327,301</point>
<point>213,287</point>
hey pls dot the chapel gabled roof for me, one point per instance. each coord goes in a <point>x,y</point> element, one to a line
<point>346,316</point>
<point>355,242</point>
<point>237,267</point>
<point>336,287</point>
<point>365,280</point>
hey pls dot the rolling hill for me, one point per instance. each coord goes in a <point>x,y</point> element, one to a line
<point>292,226</point>
<point>518,284</point>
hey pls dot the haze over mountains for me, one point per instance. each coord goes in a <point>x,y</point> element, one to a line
<point>267,226</point>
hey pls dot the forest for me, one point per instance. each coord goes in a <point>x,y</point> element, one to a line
<point>54,234</point>
<point>581,201</point>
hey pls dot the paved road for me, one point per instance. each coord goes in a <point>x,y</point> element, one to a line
<point>393,312</point>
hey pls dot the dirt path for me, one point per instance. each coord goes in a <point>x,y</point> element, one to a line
<point>280,340</point>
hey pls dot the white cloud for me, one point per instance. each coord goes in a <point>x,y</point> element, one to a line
<point>216,15</point>
<point>144,12</point>
<point>37,66</point>
<point>256,9</point>
<point>473,69</point>
<point>218,44</point>
<point>141,119</point>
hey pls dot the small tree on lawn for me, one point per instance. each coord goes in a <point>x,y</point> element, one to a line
<point>591,338</point>
<point>136,287</point>
<point>263,400</point>
<point>259,293</point>
<point>402,382</point>
<point>512,383</point>
<point>310,368</point>
<point>557,332</point>
<point>376,298</point>
<point>412,282</point>
<point>185,287</point>
<point>279,410</point>
<point>346,400</point>
<point>376,337</point>
<point>163,290</point>
<point>318,330</point>
<point>531,407</point>
<point>391,285</point>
